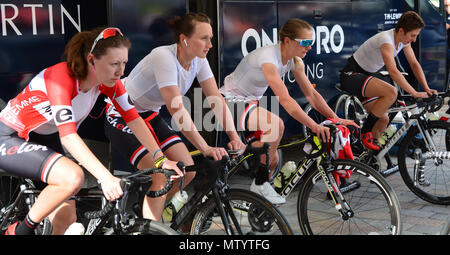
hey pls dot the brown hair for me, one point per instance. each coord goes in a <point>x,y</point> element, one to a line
<point>291,27</point>
<point>78,48</point>
<point>409,21</point>
<point>186,24</point>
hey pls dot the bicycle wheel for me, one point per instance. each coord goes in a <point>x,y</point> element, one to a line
<point>140,226</point>
<point>255,215</point>
<point>348,107</point>
<point>431,180</point>
<point>375,206</point>
<point>18,214</point>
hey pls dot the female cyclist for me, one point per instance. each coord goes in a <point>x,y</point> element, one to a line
<point>377,95</point>
<point>265,67</point>
<point>161,78</point>
<point>43,118</point>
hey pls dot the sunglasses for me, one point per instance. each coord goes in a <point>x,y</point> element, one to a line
<point>304,42</point>
<point>105,34</point>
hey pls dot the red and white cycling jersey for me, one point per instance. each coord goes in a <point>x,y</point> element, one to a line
<point>53,102</point>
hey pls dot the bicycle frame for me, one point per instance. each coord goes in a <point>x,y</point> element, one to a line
<point>219,194</point>
<point>319,159</point>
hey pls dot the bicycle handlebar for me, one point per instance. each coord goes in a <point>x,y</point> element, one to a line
<point>141,176</point>
<point>430,104</point>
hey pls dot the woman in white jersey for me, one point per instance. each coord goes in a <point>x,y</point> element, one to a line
<point>377,95</point>
<point>263,68</point>
<point>162,78</point>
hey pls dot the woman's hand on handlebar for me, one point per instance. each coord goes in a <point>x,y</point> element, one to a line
<point>172,165</point>
<point>322,132</point>
<point>111,188</point>
<point>214,152</point>
<point>431,92</point>
<point>346,122</point>
<point>236,145</point>
<point>420,94</point>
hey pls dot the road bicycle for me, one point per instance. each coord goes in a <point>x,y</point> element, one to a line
<point>113,218</point>
<point>214,208</point>
<point>423,146</point>
<point>363,203</point>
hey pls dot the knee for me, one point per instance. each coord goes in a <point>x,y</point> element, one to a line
<point>391,94</point>
<point>384,118</point>
<point>275,131</point>
<point>73,180</point>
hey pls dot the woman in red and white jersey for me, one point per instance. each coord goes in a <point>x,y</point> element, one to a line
<point>44,117</point>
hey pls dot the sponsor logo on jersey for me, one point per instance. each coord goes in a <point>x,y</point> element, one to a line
<point>63,114</point>
<point>119,126</point>
<point>19,149</point>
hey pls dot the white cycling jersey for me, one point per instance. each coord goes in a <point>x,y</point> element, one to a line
<point>161,68</point>
<point>248,80</point>
<point>368,56</point>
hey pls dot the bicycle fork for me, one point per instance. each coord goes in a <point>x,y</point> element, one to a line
<point>226,210</point>
<point>333,189</point>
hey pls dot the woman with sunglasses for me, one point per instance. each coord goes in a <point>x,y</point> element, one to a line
<point>358,78</point>
<point>162,78</point>
<point>43,118</point>
<point>262,68</point>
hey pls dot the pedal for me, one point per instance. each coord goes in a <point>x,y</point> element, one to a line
<point>389,171</point>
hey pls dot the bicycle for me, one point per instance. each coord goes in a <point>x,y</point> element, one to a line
<point>418,132</point>
<point>364,204</point>
<point>215,208</point>
<point>113,218</point>
<point>423,158</point>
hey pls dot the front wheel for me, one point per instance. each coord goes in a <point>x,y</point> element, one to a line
<point>374,206</point>
<point>141,226</point>
<point>429,179</point>
<point>254,214</point>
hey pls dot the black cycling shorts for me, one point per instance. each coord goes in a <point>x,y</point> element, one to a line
<point>354,80</point>
<point>124,141</point>
<point>33,159</point>
<point>241,112</point>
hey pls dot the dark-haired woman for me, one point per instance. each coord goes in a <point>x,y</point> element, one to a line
<point>45,115</point>
<point>377,95</point>
<point>162,78</point>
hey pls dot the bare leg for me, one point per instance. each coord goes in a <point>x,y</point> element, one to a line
<point>387,95</point>
<point>63,217</point>
<point>272,127</point>
<point>65,180</point>
<point>381,124</point>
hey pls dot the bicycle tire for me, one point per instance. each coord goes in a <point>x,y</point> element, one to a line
<point>374,203</point>
<point>140,226</point>
<point>255,215</point>
<point>436,172</point>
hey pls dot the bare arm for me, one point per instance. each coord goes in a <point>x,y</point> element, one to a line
<point>221,111</point>
<point>81,152</point>
<point>417,69</point>
<point>387,52</point>
<point>174,104</point>
<point>289,104</point>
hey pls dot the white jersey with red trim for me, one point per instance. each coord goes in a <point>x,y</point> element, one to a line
<point>52,102</point>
